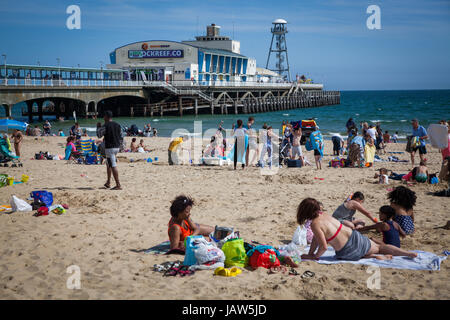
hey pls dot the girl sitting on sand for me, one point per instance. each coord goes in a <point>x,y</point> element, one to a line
<point>70,147</point>
<point>390,229</point>
<point>345,212</point>
<point>181,225</point>
<point>403,200</point>
<point>349,244</point>
<point>382,176</point>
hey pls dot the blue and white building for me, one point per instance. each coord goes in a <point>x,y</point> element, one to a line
<point>208,60</point>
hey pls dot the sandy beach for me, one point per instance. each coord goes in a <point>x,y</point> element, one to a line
<point>104,230</point>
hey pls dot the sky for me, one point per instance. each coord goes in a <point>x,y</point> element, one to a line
<point>328,40</point>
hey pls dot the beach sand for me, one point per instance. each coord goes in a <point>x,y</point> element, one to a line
<point>104,230</point>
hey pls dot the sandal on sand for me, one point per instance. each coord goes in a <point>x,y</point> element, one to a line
<point>107,186</point>
<point>117,188</point>
<point>278,269</point>
<point>233,272</point>
<point>185,271</point>
<point>293,272</point>
<point>308,274</point>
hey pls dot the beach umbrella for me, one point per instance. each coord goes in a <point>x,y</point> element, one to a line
<point>6,124</point>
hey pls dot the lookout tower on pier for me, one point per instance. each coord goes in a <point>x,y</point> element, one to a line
<point>279,30</point>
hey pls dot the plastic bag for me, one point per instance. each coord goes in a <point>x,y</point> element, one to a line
<point>232,235</point>
<point>299,237</point>
<point>190,245</point>
<point>19,204</point>
<point>207,252</point>
<point>235,254</point>
<point>262,256</point>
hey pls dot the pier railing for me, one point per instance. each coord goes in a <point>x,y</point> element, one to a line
<point>125,83</point>
<point>70,83</point>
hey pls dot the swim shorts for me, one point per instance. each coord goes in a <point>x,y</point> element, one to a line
<point>111,157</point>
<point>296,151</point>
<point>356,247</point>
<point>421,177</point>
<point>422,149</point>
<point>316,152</point>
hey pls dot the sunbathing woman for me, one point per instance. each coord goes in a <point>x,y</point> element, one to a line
<point>181,225</point>
<point>403,200</point>
<point>349,244</point>
<point>345,212</point>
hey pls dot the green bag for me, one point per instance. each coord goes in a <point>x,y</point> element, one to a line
<point>3,180</point>
<point>235,254</point>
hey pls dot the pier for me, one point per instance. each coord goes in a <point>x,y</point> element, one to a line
<point>103,90</point>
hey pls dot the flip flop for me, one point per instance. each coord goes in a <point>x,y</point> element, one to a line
<point>278,269</point>
<point>185,271</point>
<point>107,186</point>
<point>116,188</point>
<point>293,272</point>
<point>308,274</point>
<point>221,271</point>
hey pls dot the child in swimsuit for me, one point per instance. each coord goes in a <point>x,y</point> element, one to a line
<point>391,230</point>
<point>382,176</point>
<point>181,225</point>
<point>403,200</point>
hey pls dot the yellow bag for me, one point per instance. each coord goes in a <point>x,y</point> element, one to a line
<point>235,254</point>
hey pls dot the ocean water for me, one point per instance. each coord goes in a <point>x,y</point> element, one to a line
<point>392,109</point>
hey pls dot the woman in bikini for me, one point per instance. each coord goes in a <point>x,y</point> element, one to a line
<point>349,244</point>
<point>403,200</point>
<point>181,225</point>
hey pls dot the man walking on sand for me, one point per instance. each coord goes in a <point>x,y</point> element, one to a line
<point>112,133</point>
<point>421,133</point>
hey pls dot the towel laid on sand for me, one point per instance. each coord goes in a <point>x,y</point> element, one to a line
<point>424,260</point>
<point>163,248</point>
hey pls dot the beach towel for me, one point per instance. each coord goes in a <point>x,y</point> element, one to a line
<point>162,248</point>
<point>369,153</point>
<point>241,152</point>
<point>424,261</point>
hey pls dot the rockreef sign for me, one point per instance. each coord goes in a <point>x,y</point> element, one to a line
<point>139,54</point>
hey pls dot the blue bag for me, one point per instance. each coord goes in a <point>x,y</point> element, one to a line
<point>43,196</point>
<point>189,258</point>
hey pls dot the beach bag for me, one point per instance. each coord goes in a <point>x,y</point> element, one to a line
<point>299,237</point>
<point>19,204</point>
<point>39,156</point>
<point>3,180</point>
<point>235,254</point>
<point>190,243</point>
<point>43,196</point>
<point>206,252</point>
<point>263,256</point>
<point>91,159</point>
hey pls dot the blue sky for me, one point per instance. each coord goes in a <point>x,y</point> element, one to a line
<point>328,39</point>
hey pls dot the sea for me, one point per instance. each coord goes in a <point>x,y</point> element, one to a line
<point>393,110</point>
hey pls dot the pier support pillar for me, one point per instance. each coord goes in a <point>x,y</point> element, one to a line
<point>30,111</point>
<point>161,112</point>
<point>131,111</point>
<point>8,110</point>
<point>180,106</point>
<point>236,108</point>
<point>196,107</point>
<point>212,107</point>
<point>40,111</point>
